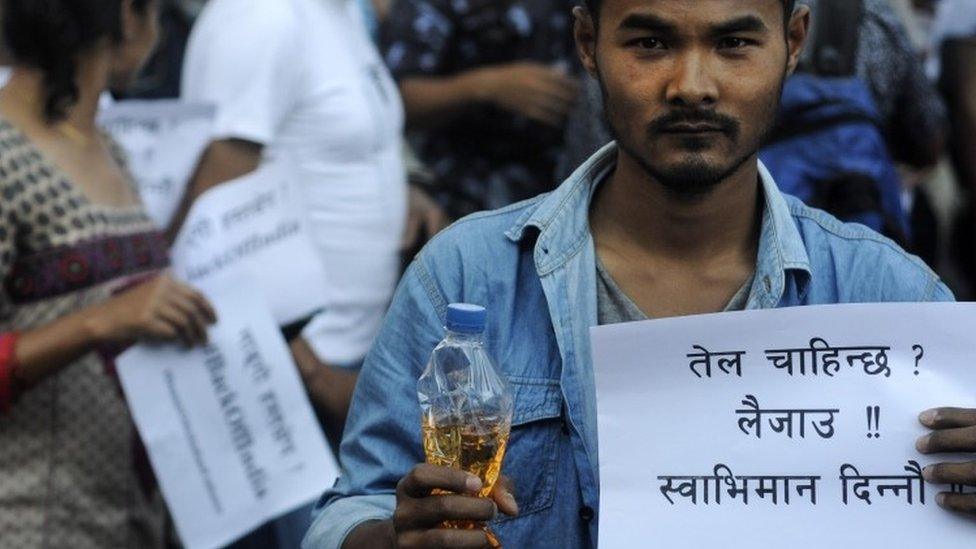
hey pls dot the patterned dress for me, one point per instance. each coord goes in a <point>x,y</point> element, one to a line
<point>71,471</point>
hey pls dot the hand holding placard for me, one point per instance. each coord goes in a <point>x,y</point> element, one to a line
<point>954,430</point>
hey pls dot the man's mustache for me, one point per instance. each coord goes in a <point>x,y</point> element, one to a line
<point>674,120</point>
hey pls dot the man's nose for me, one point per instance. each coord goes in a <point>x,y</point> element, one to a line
<point>691,83</point>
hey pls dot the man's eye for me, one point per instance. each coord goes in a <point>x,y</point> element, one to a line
<point>649,44</point>
<point>733,43</point>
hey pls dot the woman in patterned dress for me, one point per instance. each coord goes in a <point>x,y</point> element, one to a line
<point>80,264</point>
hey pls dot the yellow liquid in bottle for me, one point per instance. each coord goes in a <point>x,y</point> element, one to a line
<point>468,449</point>
<point>476,451</point>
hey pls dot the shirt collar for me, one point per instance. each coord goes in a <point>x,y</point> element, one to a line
<point>562,221</point>
<point>781,249</point>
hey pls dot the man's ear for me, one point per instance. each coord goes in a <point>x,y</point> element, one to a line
<point>584,31</point>
<point>796,36</point>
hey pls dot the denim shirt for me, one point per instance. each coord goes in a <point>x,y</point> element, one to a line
<point>533,266</point>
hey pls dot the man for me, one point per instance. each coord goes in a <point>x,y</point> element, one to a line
<point>678,218</point>
<point>487,84</point>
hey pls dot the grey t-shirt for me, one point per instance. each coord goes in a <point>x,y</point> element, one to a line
<point>614,306</point>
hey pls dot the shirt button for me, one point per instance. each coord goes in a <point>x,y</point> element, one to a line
<point>586,513</point>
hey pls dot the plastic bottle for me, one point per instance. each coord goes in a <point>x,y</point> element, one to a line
<point>466,402</point>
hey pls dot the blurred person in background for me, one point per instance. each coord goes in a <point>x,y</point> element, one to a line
<point>80,265</point>
<point>912,112</point>
<point>488,85</point>
<point>301,81</point>
<point>954,45</point>
<point>913,116</point>
<point>829,148</point>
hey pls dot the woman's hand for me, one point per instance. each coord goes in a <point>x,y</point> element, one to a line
<point>161,309</point>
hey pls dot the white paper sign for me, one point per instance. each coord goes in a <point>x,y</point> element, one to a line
<point>163,140</point>
<point>796,429</point>
<point>229,429</point>
<point>255,225</point>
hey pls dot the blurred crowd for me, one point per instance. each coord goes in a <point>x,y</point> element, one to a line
<point>400,116</point>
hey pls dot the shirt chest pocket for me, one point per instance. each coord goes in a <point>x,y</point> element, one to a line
<point>532,454</point>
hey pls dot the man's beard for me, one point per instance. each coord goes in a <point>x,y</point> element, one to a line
<point>694,177</point>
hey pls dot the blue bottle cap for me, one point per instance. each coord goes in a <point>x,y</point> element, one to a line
<point>466,318</point>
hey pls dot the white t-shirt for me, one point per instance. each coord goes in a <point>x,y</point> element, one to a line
<point>303,78</point>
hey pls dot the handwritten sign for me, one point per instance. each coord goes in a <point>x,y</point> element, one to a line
<point>228,427</point>
<point>784,427</point>
<point>163,140</point>
<point>254,225</point>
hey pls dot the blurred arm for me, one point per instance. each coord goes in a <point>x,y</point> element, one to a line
<point>539,92</point>
<point>431,102</point>
<point>223,161</point>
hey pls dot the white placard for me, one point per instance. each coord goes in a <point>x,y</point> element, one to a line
<point>229,428</point>
<point>255,225</point>
<point>163,140</point>
<point>667,413</point>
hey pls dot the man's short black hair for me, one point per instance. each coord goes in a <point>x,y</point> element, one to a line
<point>788,6</point>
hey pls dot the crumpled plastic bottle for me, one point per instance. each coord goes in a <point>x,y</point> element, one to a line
<point>466,403</point>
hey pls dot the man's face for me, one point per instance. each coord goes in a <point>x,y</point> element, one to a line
<point>691,87</point>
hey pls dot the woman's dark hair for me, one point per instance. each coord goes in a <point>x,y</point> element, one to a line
<point>49,34</point>
<point>788,6</point>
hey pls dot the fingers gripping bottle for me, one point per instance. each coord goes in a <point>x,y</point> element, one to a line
<point>466,403</point>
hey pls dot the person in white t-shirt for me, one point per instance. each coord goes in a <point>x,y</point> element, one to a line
<point>301,80</point>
